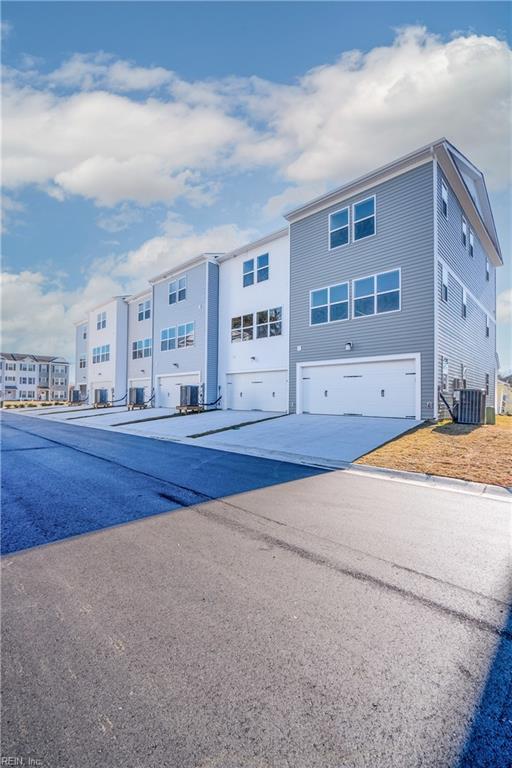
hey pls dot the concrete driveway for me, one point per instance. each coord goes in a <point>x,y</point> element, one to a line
<point>335,440</point>
<point>184,427</point>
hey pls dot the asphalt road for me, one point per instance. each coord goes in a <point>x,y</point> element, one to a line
<point>274,617</point>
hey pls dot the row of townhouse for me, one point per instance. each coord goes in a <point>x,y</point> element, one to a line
<point>376,298</point>
<point>33,377</point>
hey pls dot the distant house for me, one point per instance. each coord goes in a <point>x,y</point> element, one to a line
<point>33,377</point>
<point>504,396</point>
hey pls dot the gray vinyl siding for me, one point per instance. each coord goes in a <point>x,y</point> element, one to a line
<point>463,340</point>
<point>470,270</point>
<point>191,310</point>
<point>212,350</point>
<point>404,239</point>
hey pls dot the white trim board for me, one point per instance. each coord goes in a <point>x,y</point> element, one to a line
<point>488,312</point>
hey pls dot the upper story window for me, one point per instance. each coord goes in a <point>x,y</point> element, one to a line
<point>186,334</point>
<point>178,290</point>
<point>10,378</point>
<point>84,333</point>
<point>363,216</point>
<point>142,348</point>
<point>43,368</point>
<point>444,283</point>
<point>83,362</point>
<point>377,294</point>
<point>338,228</point>
<point>101,320</point>
<point>444,199</point>
<point>464,234</point>
<point>269,322</point>
<point>464,303</point>
<point>471,243</point>
<point>144,310</point>
<point>487,270</point>
<point>101,354</point>
<point>177,337</point>
<point>328,305</point>
<point>487,326</point>
<point>10,366</point>
<point>242,328</point>
<point>261,268</point>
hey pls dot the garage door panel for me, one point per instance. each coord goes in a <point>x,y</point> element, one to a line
<point>168,388</point>
<point>264,391</point>
<point>386,388</point>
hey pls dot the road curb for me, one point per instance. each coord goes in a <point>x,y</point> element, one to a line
<point>436,481</point>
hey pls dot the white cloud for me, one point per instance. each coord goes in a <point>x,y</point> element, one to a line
<point>121,219</point>
<point>504,306</point>
<point>90,71</point>
<point>5,29</point>
<point>9,207</point>
<point>335,123</point>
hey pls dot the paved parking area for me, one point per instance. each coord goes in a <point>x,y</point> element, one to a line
<point>194,424</point>
<point>308,438</point>
<point>110,417</point>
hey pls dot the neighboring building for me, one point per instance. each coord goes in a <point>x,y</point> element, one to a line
<point>33,377</point>
<point>81,358</point>
<point>254,325</point>
<point>378,299</point>
<point>140,342</point>
<point>504,397</point>
<point>378,272</point>
<point>185,319</point>
<point>107,333</point>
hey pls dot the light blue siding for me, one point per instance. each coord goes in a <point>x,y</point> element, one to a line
<point>212,331</point>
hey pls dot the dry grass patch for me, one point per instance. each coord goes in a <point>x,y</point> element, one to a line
<point>481,454</point>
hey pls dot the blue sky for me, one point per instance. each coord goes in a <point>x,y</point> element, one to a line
<point>137,133</point>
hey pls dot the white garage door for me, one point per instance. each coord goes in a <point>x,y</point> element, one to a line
<point>168,388</point>
<point>265,391</point>
<point>381,388</point>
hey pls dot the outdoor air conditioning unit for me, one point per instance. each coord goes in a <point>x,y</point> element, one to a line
<point>189,395</point>
<point>100,396</point>
<point>136,396</point>
<point>470,406</point>
<point>459,384</point>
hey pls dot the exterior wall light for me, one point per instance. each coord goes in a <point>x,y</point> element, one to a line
<point>348,346</point>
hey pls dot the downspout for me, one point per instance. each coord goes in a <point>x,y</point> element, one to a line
<point>153,345</point>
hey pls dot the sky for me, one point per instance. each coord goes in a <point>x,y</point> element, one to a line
<point>139,134</point>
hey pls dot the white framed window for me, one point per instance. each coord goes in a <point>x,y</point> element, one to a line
<point>487,270</point>
<point>10,378</point>
<point>487,383</point>
<point>377,294</point>
<point>471,243</point>
<point>141,348</point>
<point>242,328</point>
<point>328,305</point>
<point>186,335</point>
<point>259,270</point>
<point>84,333</point>
<point>101,354</point>
<point>101,320</point>
<point>464,303</point>
<point>363,218</point>
<point>168,339</point>
<point>444,283</point>
<point>178,290</point>
<point>10,366</point>
<point>144,310</point>
<point>339,228</point>
<point>23,379</point>
<point>83,362</point>
<point>487,326</point>
<point>269,322</point>
<point>444,199</point>
<point>464,233</point>
<point>31,380</point>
